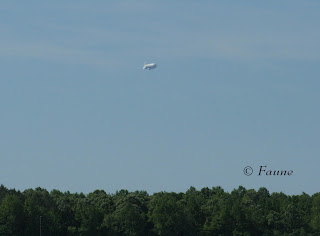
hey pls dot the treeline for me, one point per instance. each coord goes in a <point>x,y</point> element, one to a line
<point>195,212</point>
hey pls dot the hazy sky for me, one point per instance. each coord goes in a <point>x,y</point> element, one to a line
<point>237,85</point>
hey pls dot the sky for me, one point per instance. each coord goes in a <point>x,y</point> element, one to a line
<point>237,84</point>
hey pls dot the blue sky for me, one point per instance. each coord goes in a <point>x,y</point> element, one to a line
<point>237,85</point>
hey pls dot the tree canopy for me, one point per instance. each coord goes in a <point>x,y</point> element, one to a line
<point>195,212</point>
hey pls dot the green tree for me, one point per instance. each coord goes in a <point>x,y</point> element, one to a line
<point>38,203</point>
<point>89,213</point>
<point>130,215</point>
<point>195,200</point>
<point>315,214</point>
<point>169,215</point>
<point>206,212</point>
<point>11,216</point>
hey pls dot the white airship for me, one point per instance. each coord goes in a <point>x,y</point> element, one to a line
<point>149,66</point>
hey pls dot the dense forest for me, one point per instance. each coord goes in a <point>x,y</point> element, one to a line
<point>195,212</point>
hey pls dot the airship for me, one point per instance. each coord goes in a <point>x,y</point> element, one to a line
<point>149,66</point>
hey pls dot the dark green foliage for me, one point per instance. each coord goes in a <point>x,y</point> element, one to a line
<point>129,216</point>
<point>205,212</point>
<point>12,217</point>
<point>315,214</point>
<point>170,215</point>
